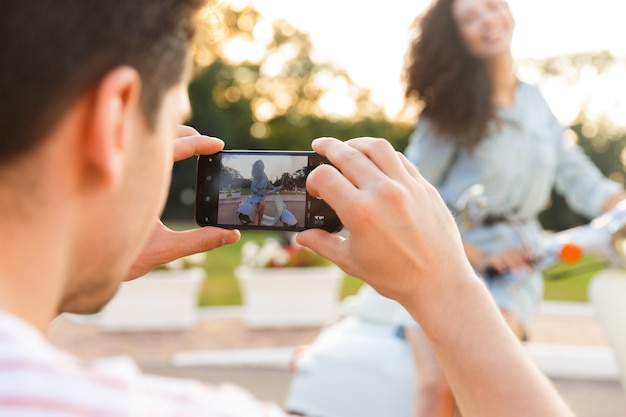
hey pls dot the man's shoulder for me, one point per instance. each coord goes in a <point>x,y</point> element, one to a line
<point>23,338</point>
<point>24,348</point>
<point>35,376</point>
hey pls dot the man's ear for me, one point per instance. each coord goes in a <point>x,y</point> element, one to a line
<point>115,114</point>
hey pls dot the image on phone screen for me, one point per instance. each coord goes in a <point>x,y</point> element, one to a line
<point>263,190</point>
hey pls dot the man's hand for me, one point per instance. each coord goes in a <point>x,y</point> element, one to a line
<point>166,245</point>
<point>403,240</point>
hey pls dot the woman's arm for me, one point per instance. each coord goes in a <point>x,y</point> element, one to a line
<point>577,178</point>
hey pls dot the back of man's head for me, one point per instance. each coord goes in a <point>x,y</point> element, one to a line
<point>54,50</point>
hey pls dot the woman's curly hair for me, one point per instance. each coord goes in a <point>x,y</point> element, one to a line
<point>258,169</point>
<point>453,86</point>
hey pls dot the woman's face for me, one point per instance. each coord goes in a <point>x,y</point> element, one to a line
<point>486,26</point>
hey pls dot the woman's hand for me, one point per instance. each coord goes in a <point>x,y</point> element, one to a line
<point>512,259</point>
<point>508,260</point>
<point>166,245</point>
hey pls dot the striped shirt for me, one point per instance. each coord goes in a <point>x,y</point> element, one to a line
<point>38,380</point>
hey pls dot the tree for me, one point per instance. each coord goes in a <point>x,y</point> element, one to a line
<point>594,126</point>
<point>276,97</point>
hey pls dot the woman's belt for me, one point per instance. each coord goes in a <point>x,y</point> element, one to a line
<point>492,219</point>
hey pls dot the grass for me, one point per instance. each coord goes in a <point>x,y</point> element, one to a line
<point>562,282</point>
<point>220,287</point>
<point>570,283</point>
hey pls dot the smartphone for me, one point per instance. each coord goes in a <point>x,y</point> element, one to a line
<point>260,190</point>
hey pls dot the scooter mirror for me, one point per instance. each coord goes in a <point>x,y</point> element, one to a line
<point>472,206</point>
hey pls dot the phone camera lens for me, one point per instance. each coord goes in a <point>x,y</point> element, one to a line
<point>209,178</point>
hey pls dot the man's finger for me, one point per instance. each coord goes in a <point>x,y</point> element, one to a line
<point>411,169</point>
<point>196,145</point>
<point>199,240</point>
<point>184,130</point>
<point>327,182</point>
<point>352,163</point>
<point>329,245</point>
<point>166,245</point>
<point>382,154</point>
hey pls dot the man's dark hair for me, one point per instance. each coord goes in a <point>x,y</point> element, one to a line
<point>52,51</point>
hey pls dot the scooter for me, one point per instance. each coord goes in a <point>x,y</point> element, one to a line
<point>284,216</point>
<point>245,211</point>
<point>607,293</point>
<point>362,365</point>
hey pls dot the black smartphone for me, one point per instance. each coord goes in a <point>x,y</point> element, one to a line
<point>260,190</point>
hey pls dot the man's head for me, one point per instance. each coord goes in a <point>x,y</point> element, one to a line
<point>91,94</point>
<point>53,50</point>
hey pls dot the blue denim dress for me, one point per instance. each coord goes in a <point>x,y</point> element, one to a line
<point>526,155</point>
<point>259,188</point>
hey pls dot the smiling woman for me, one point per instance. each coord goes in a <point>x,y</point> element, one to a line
<point>480,124</point>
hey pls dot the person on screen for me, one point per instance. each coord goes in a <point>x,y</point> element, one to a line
<point>260,186</point>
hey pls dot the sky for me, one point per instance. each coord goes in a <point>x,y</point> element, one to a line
<point>369,39</point>
<point>275,165</point>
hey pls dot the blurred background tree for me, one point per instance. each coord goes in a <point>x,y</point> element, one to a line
<point>259,86</point>
<point>598,122</point>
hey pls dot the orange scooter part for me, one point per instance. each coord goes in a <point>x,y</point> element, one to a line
<point>571,254</point>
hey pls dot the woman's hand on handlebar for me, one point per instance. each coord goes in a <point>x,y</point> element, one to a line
<point>508,260</point>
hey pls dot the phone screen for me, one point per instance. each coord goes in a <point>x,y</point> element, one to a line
<point>264,190</point>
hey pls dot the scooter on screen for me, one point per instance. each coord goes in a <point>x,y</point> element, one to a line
<point>282,216</point>
<point>363,366</point>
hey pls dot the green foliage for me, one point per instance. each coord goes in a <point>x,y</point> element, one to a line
<point>562,282</point>
<point>214,116</point>
<point>604,144</point>
<point>221,288</point>
<point>605,148</point>
<point>227,98</point>
<point>570,282</point>
<point>556,66</point>
<point>252,107</point>
<point>601,140</point>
